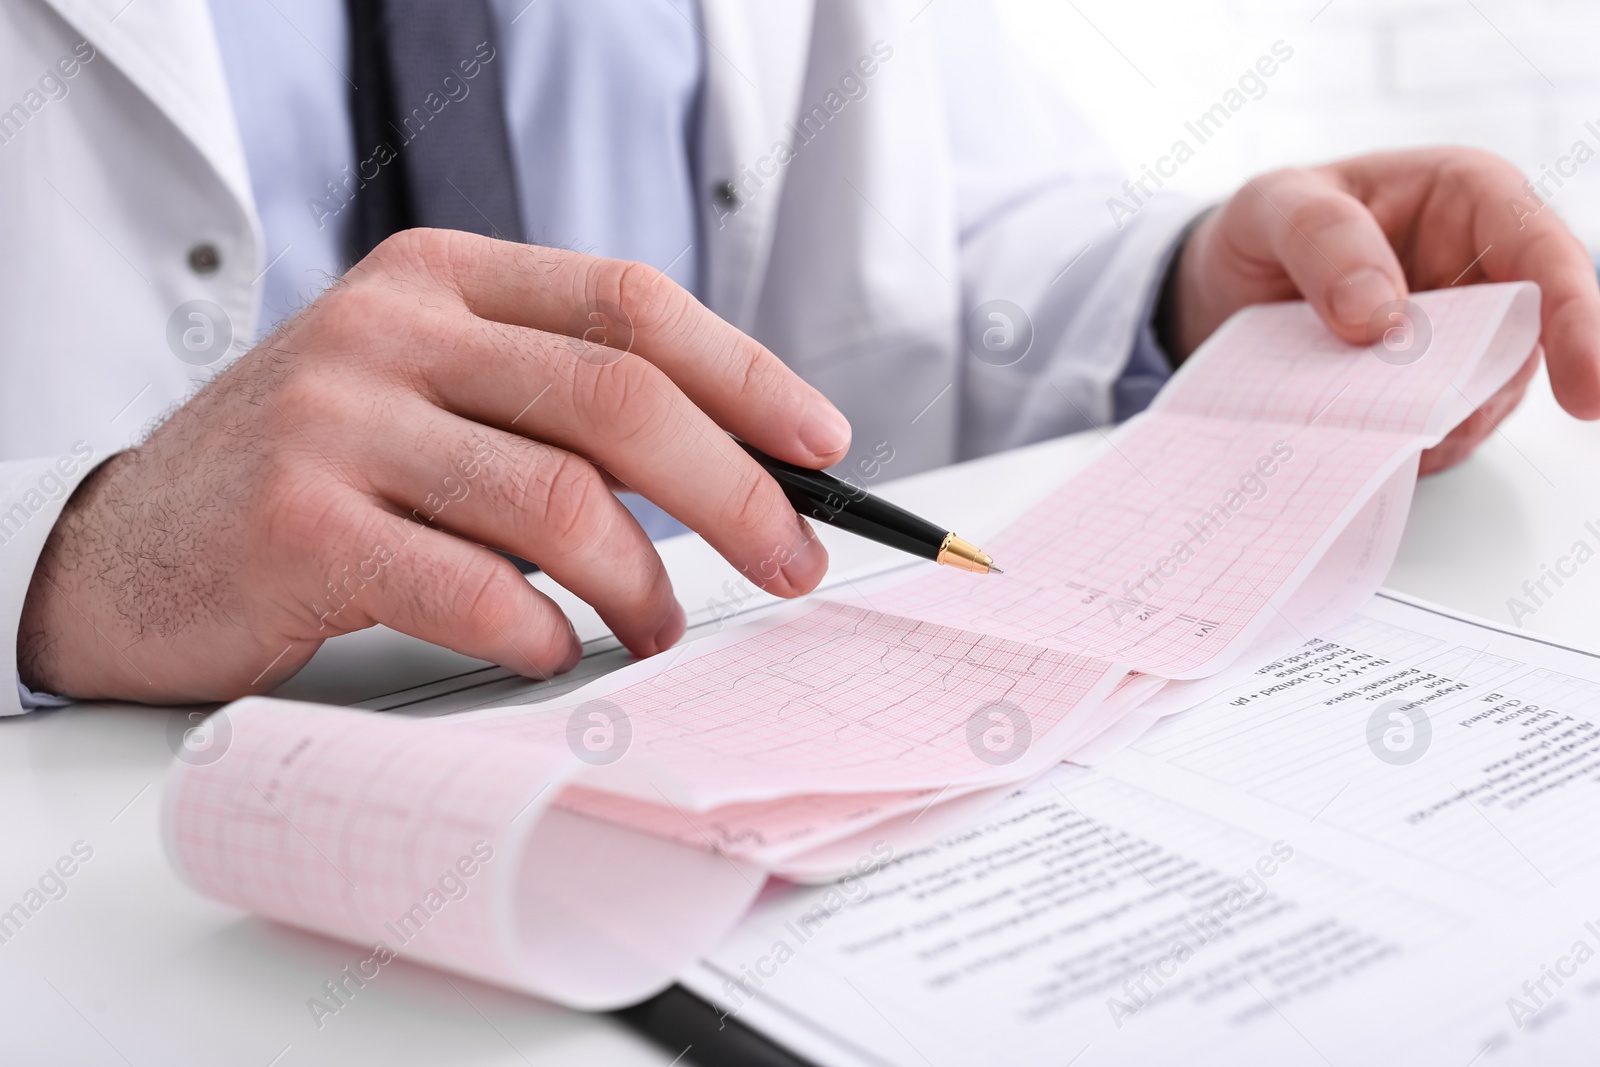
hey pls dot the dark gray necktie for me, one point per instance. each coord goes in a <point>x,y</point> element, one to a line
<point>429,121</point>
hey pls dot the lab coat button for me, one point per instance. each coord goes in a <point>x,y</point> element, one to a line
<point>204,258</point>
<point>727,194</point>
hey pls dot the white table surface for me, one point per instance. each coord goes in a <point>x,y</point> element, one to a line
<point>130,967</point>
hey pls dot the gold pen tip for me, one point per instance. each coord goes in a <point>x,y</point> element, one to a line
<point>964,555</point>
<point>995,570</point>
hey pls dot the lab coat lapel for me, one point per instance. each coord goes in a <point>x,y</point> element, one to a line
<point>755,66</point>
<point>168,50</point>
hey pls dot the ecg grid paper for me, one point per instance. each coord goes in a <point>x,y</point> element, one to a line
<point>765,831</point>
<point>812,728</point>
<point>1171,550</point>
<point>842,700</point>
<point>1279,364</point>
<point>345,822</point>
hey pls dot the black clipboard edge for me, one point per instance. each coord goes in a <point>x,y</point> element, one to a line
<point>693,1028</point>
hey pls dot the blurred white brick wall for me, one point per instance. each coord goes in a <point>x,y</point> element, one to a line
<point>1518,77</point>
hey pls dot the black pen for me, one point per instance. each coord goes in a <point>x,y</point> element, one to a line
<point>821,496</point>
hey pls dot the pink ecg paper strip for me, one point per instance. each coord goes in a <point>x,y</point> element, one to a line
<point>765,831</point>
<point>440,846</point>
<point>1267,484</point>
<point>1174,548</point>
<point>346,823</point>
<point>837,700</point>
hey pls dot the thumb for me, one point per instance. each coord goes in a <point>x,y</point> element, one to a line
<point>1332,249</point>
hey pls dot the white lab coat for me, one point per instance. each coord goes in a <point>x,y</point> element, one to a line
<point>947,177</point>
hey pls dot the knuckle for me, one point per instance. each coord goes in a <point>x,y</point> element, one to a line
<point>373,326</point>
<point>305,396</point>
<point>483,587</point>
<point>756,506</point>
<point>494,600</point>
<point>647,297</point>
<point>400,252</point>
<point>433,253</point>
<point>1470,173</point>
<point>753,367</point>
<point>1480,160</point>
<point>1324,211</point>
<point>625,403</point>
<point>1283,178</point>
<point>299,524</point>
<point>353,321</point>
<point>1463,172</point>
<point>565,496</point>
<point>348,312</point>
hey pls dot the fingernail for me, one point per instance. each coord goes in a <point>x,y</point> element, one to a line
<point>823,429</point>
<point>1354,302</point>
<point>808,562</point>
<point>668,635</point>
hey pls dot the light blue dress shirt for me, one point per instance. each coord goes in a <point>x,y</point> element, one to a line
<point>601,98</point>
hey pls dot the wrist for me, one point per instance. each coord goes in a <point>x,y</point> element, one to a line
<point>59,648</point>
<point>1183,319</point>
<point>43,636</point>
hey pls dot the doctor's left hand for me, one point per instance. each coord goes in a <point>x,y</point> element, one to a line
<point>1350,236</point>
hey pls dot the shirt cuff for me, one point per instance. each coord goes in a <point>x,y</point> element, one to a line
<point>32,701</point>
<point>1149,366</point>
<point>1147,371</point>
<point>33,493</point>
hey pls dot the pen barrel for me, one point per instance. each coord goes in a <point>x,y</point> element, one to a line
<point>824,498</point>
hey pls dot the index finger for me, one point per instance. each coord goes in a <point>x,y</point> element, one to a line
<point>1569,310</point>
<point>636,308</point>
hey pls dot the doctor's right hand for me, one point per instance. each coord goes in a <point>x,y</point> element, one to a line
<point>449,393</point>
